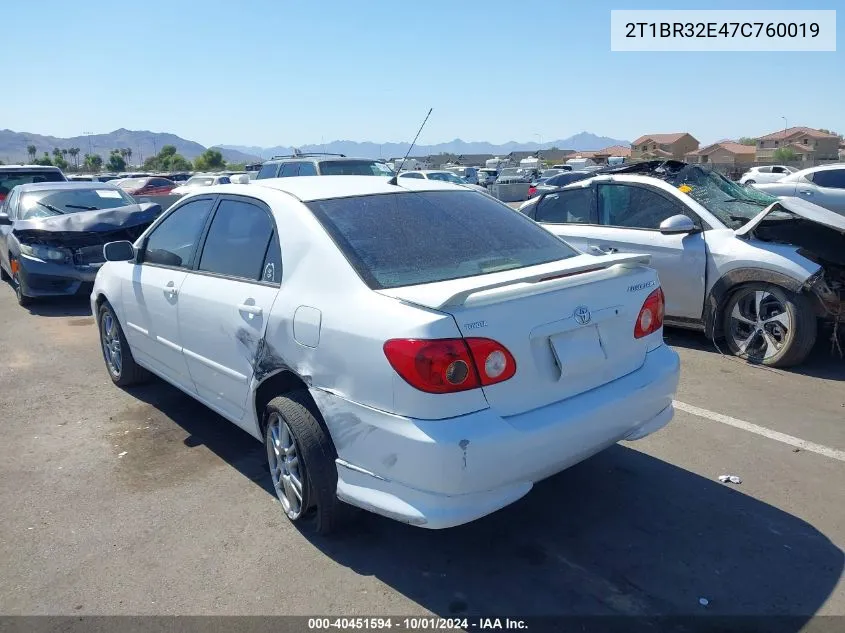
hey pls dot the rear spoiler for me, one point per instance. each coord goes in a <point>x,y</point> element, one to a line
<point>604,262</point>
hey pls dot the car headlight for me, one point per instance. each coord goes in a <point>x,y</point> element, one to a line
<point>45,253</point>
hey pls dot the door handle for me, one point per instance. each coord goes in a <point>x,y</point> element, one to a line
<point>253,310</point>
<point>604,250</point>
<point>170,289</point>
<point>805,192</point>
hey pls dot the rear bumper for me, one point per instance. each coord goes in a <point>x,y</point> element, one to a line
<point>47,279</point>
<point>442,473</point>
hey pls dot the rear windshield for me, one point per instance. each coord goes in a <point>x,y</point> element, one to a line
<point>411,238</point>
<point>354,168</point>
<point>9,179</point>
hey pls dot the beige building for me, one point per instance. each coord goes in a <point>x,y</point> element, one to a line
<point>667,146</point>
<point>723,153</point>
<point>808,143</point>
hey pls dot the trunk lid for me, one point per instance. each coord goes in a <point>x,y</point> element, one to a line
<point>569,324</point>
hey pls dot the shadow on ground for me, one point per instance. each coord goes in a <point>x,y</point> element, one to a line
<point>620,534</point>
<point>823,362</point>
<point>61,307</point>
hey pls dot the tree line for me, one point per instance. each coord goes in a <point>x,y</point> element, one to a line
<point>118,159</point>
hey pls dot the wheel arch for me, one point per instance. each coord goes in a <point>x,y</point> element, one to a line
<point>279,383</point>
<point>728,283</point>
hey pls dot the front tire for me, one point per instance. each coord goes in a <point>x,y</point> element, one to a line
<point>23,300</point>
<point>301,457</point>
<point>749,182</point>
<point>769,325</point>
<point>122,368</point>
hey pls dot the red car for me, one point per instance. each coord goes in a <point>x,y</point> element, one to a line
<point>151,186</point>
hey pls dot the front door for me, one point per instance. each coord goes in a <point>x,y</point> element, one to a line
<point>625,218</point>
<point>226,301</point>
<point>152,287</point>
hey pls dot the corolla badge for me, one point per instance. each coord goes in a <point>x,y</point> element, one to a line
<point>582,315</point>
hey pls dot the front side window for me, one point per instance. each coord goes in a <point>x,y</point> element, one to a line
<point>411,238</point>
<point>173,242</point>
<point>634,207</point>
<point>237,241</point>
<point>412,174</point>
<point>289,170</point>
<point>833,178</point>
<point>563,207</point>
<point>268,170</point>
<point>307,169</point>
<point>351,167</point>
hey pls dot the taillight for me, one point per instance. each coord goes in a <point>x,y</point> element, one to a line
<point>531,191</point>
<point>650,318</point>
<point>450,365</point>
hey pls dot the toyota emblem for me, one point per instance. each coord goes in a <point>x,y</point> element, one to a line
<point>582,315</point>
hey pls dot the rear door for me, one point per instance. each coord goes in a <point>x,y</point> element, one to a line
<point>226,300</point>
<point>626,219</point>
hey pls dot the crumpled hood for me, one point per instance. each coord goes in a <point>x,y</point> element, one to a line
<point>801,208</point>
<point>103,220</point>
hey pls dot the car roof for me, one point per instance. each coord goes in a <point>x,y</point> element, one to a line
<point>29,168</point>
<point>308,188</point>
<point>53,186</point>
<point>826,167</point>
<point>288,159</point>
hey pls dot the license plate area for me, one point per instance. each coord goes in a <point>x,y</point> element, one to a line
<point>578,352</point>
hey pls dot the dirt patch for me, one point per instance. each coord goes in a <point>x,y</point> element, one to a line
<point>81,322</point>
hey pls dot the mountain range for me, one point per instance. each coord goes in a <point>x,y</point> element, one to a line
<point>143,143</point>
<point>579,142</point>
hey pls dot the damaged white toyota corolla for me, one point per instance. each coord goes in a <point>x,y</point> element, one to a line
<point>420,351</point>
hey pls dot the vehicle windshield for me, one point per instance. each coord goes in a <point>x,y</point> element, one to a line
<point>732,203</point>
<point>446,176</point>
<point>9,179</point>
<point>49,202</point>
<point>199,181</point>
<point>354,168</point>
<point>411,238</point>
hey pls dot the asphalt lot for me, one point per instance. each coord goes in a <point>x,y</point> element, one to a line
<point>145,502</point>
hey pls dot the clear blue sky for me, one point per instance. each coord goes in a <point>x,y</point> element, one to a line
<point>269,72</point>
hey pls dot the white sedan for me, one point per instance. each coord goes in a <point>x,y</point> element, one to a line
<point>390,354</point>
<point>823,185</point>
<point>195,182</point>
<point>439,174</point>
<point>766,173</point>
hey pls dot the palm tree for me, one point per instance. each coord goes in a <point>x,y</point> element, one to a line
<point>57,152</point>
<point>74,154</point>
<point>128,155</point>
<point>32,151</point>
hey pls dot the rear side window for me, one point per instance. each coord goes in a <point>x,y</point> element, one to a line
<point>237,240</point>
<point>268,170</point>
<point>288,170</point>
<point>410,238</point>
<point>833,178</point>
<point>173,242</point>
<point>564,207</point>
<point>354,168</point>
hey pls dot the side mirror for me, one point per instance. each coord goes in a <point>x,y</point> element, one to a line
<point>676,225</point>
<point>5,220</point>
<point>122,251</point>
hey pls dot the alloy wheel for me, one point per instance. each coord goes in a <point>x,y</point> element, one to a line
<point>111,344</point>
<point>286,468</point>
<point>760,325</point>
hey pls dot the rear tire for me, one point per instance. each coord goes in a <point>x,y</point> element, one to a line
<point>122,368</point>
<point>750,182</point>
<point>769,325</point>
<point>4,276</point>
<point>301,457</point>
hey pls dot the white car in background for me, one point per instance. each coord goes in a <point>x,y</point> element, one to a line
<point>442,175</point>
<point>823,185</point>
<point>766,173</point>
<point>390,353</point>
<point>732,261</point>
<point>200,180</point>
